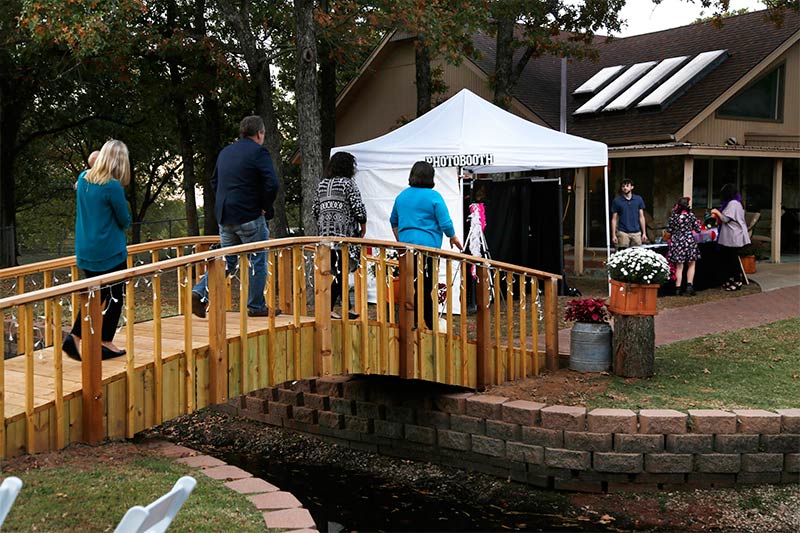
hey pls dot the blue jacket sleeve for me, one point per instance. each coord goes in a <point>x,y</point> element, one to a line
<point>264,165</point>
<point>119,205</point>
<point>393,220</point>
<point>443,216</point>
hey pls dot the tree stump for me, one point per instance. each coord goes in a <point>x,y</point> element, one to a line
<point>634,346</point>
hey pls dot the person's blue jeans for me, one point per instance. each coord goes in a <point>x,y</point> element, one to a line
<point>231,235</point>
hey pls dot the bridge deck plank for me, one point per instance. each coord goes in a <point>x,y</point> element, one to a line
<point>173,345</point>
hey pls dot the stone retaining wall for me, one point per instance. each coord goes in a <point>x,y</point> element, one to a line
<point>556,446</point>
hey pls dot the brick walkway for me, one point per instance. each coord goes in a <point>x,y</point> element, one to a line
<point>281,510</point>
<point>678,324</point>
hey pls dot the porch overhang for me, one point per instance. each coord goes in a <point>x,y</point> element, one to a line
<point>692,149</point>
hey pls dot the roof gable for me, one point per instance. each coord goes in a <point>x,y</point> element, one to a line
<point>749,39</point>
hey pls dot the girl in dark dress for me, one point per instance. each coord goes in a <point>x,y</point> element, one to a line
<point>682,246</point>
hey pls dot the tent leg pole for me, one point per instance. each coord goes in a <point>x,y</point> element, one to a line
<point>608,230</point>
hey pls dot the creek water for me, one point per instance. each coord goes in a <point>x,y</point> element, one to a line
<point>342,500</point>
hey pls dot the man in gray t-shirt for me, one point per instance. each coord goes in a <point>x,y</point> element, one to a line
<point>627,218</point>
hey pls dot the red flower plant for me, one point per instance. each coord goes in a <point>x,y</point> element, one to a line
<point>590,310</point>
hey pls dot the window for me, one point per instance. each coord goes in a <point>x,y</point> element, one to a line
<point>761,100</point>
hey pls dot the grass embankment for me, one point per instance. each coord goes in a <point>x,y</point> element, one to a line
<point>93,488</point>
<point>756,368</point>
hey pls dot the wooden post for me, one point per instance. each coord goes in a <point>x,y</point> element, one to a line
<point>158,363</point>
<point>551,323</point>
<point>580,218</point>
<point>484,347</point>
<point>30,349</point>
<point>777,201</point>
<point>634,346</point>
<point>191,394</point>
<point>322,310</point>
<point>48,311</point>
<point>244,287</point>
<point>406,266</point>
<point>91,366</point>
<point>285,280</point>
<point>58,373</point>
<point>688,175</point>
<point>217,341</point>
<point>130,320</point>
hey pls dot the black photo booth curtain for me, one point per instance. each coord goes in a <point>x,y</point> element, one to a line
<point>523,222</point>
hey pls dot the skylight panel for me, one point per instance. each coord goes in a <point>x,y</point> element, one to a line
<point>597,81</point>
<point>645,83</point>
<point>612,89</point>
<point>687,76</point>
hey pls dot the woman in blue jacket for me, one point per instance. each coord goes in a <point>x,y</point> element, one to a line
<point>101,219</point>
<point>420,216</point>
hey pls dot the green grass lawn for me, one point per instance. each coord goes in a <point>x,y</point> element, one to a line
<point>749,368</point>
<point>84,494</point>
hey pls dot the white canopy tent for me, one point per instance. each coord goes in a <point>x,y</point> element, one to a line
<point>465,132</point>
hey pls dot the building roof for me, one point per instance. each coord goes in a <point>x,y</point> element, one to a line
<point>749,39</point>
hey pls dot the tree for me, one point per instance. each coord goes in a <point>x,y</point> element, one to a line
<point>554,27</point>
<point>308,119</point>
<point>251,32</point>
<point>61,45</point>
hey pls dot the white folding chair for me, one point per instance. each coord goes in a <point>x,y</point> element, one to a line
<point>156,517</point>
<point>8,493</point>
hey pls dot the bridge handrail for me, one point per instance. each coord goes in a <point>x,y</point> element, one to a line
<point>384,338</point>
<point>199,257</point>
<point>68,261</point>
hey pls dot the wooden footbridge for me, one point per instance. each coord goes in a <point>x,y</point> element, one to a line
<point>177,363</point>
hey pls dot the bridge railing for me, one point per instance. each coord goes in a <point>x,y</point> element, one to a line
<point>503,344</point>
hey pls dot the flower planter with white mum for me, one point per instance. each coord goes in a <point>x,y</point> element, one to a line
<point>636,274</point>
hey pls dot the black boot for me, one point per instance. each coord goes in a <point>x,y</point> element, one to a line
<point>678,290</point>
<point>689,289</point>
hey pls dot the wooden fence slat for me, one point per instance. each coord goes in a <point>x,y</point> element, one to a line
<point>463,323</point>
<point>217,342</point>
<point>158,373</point>
<point>272,340</point>
<point>75,303</point>
<point>510,365</point>
<point>244,285</point>
<point>347,348</point>
<point>297,281</point>
<point>30,433</point>
<point>383,330</point>
<point>484,351</point>
<point>448,350</point>
<point>363,311</point>
<point>434,297</point>
<point>551,323</point>
<point>130,321</point>
<point>322,310</point>
<point>285,279</point>
<point>188,348</point>
<point>498,359</point>
<point>91,366</point>
<point>406,268</point>
<point>48,310</point>
<point>58,374</point>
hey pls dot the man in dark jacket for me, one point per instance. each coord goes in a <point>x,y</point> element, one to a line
<point>245,186</point>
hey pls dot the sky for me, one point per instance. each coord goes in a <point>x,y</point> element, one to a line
<point>644,17</point>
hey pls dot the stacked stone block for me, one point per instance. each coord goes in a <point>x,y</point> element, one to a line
<point>555,446</point>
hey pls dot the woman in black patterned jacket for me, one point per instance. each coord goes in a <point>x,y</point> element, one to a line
<point>340,212</point>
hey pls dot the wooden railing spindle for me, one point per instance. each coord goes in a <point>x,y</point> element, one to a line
<point>58,374</point>
<point>484,352</point>
<point>551,323</point>
<point>27,333</point>
<point>322,310</point>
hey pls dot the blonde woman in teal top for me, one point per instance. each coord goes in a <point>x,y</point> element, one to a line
<point>420,216</point>
<point>101,218</point>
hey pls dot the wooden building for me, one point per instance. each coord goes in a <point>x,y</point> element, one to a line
<point>683,111</point>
